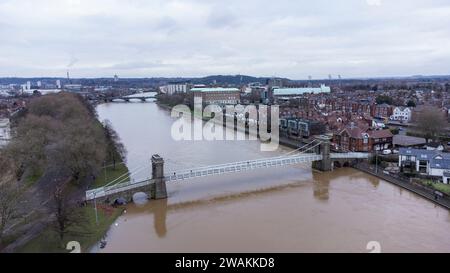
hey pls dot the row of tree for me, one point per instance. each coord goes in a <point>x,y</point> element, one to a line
<point>58,139</point>
<point>61,132</point>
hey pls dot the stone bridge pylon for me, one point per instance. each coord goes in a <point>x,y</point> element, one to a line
<point>158,188</point>
<point>324,149</point>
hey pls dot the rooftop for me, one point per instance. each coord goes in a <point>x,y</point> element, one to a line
<point>300,91</point>
<point>437,159</point>
<point>403,140</point>
<point>424,154</point>
<point>380,133</point>
<point>214,89</point>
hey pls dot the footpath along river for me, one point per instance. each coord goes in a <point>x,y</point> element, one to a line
<point>289,209</point>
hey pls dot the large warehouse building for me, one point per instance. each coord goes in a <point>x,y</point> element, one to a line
<point>217,95</point>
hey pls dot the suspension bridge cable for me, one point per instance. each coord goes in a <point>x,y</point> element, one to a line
<point>302,152</point>
<point>120,177</point>
<point>304,146</point>
<point>206,166</point>
<point>225,164</point>
<point>129,176</point>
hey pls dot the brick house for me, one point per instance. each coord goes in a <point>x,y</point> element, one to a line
<point>362,139</point>
<point>382,110</point>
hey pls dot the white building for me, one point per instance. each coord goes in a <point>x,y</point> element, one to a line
<point>73,87</point>
<point>378,124</point>
<point>173,88</point>
<point>301,91</point>
<point>5,131</point>
<point>401,114</point>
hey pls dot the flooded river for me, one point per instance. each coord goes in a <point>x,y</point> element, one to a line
<point>287,209</point>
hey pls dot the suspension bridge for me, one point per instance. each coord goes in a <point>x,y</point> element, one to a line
<point>317,152</point>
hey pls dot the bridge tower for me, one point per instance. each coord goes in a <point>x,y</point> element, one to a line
<point>325,164</point>
<point>159,187</point>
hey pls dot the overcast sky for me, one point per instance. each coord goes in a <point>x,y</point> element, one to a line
<point>151,38</point>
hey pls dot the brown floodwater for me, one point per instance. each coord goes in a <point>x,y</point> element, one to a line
<point>289,209</point>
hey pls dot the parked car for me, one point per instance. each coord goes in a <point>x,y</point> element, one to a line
<point>395,151</point>
<point>387,152</point>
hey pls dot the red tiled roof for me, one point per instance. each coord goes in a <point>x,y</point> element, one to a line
<point>355,132</point>
<point>380,134</point>
<point>358,132</point>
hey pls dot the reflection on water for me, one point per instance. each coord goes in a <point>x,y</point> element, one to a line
<point>289,209</point>
<point>321,189</point>
<point>348,213</point>
<point>160,214</point>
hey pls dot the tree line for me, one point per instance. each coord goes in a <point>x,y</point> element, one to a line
<point>59,139</point>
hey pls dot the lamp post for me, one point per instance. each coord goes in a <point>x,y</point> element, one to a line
<point>104,164</point>
<point>376,160</point>
<point>95,208</point>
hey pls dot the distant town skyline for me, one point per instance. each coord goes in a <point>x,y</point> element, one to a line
<point>195,38</point>
<point>175,78</point>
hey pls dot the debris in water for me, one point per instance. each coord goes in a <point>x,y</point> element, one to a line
<point>103,244</point>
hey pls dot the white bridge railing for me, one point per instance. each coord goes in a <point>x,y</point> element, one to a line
<point>120,187</point>
<point>352,155</point>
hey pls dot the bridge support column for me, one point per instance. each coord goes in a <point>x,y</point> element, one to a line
<point>325,164</point>
<point>159,187</point>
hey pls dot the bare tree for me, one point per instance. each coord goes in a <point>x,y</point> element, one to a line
<point>9,193</point>
<point>59,132</point>
<point>34,133</point>
<point>430,123</point>
<point>9,205</point>
<point>65,212</point>
<point>81,149</point>
<point>115,148</point>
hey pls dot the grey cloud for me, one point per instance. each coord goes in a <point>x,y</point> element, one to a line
<point>167,23</point>
<point>221,18</point>
<point>137,65</point>
<point>196,37</point>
